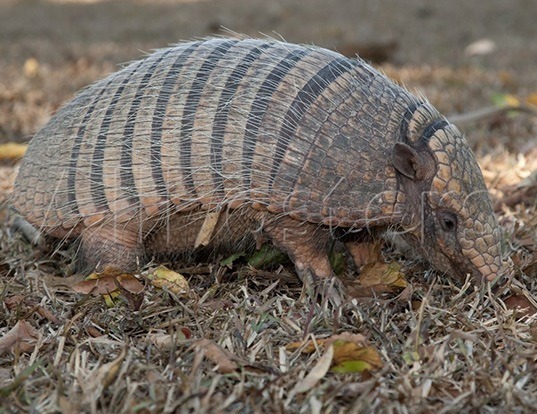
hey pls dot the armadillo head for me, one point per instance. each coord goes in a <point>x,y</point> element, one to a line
<point>449,214</point>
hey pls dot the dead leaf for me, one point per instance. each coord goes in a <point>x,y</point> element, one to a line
<point>224,360</point>
<point>316,374</point>
<point>105,283</point>
<point>480,47</point>
<point>378,278</point>
<point>166,342</point>
<point>100,286</point>
<point>207,229</point>
<point>47,314</point>
<point>532,99</point>
<point>22,336</point>
<point>520,304</point>
<point>416,304</point>
<point>523,192</point>
<point>175,282</point>
<point>186,332</point>
<point>310,346</point>
<point>93,332</point>
<point>27,305</point>
<point>13,302</point>
<point>352,353</point>
<point>12,151</point>
<point>111,283</point>
<point>130,283</point>
<point>387,274</point>
<point>352,357</point>
<point>406,295</point>
<point>31,68</point>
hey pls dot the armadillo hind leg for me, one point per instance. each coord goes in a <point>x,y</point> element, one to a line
<point>109,246</point>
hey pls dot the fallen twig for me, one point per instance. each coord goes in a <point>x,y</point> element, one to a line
<point>489,112</point>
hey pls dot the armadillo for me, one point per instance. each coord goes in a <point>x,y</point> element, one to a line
<point>209,144</point>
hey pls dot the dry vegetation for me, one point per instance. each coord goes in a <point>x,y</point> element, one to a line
<point>445,346</point>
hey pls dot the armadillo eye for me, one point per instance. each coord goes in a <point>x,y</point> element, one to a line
<point>448,220</point>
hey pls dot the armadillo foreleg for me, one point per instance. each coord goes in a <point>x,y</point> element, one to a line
<point>307,245</point>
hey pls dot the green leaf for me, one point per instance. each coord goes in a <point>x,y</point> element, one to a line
<point>337,260</point>
<point>229,261</point>
<point>410,357</point>
<point>347,367</point>
<point>266,256</point>
<point>19,379</point>
<point>505,99</point>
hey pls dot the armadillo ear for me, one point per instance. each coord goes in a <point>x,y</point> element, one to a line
<point>408,162</point>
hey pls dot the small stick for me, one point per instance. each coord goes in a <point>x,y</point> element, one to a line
<point>488,112</point>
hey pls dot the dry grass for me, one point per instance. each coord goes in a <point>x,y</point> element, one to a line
<point>445,347</point>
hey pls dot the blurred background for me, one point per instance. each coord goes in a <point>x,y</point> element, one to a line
<point>461,54</point>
